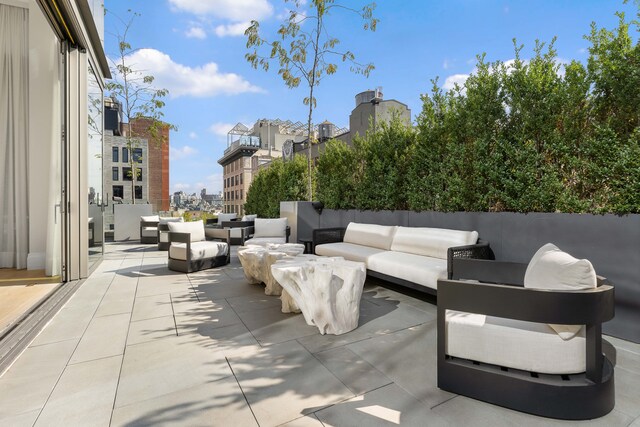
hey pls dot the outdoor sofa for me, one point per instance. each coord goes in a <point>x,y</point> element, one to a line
<point>149,229</point>
<point>192,248</point>
<point>527,337</point>
<point>413,257</point>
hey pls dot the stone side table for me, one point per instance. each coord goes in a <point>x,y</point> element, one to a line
<point>326,289</point>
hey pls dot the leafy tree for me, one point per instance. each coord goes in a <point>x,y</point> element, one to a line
<point>306,52</point>
<point>337,172</point>
<point>140,100</point>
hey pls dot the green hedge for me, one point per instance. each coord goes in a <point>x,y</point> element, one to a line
<point>532,135</point>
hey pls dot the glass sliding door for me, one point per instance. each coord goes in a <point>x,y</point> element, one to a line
<point>96,195</point>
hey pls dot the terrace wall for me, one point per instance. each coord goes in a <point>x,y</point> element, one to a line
<point>610,242</point>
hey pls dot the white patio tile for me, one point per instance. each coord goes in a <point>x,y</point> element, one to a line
<point>151,329</point>
<point>105,337</point>
<point>150,307</point>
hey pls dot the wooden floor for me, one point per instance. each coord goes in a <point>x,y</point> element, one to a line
<point>20,290</point>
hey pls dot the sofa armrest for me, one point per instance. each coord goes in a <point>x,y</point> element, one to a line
<point>287,234</point>
<point>178,237</point>
<point>480,250</point>
<point>488,271</point>
<point>237,224</point>
<point>327,235</point>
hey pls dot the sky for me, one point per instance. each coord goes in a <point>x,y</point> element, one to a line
<point>196,49</point>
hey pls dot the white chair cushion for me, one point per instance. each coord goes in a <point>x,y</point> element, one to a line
<point>150,218</point>
<point>195,228</point>
<point>149,231</point>
<point>529,346</point>
<point>226,217</point>
<point>199,250</point>
<point>270,227</point>
<point>551,268</point>
<point>249,217</point>
<point>349,251</point>
<point>262,241</point>
<point>164,236</point>
<point>168,219</point>
<point>235,233</point>
<point>414,268</point>
<point>375,236</point>
<point>432,242</point>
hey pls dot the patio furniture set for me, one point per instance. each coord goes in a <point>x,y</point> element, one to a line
<point>523,336</point>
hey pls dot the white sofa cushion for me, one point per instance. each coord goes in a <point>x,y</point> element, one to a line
<point>235,233</point>
<point>199,250</point>
<point>270,227</point>
<point>195,228</point>
<point>150,218</point>
<point>251,217</point>
<point>168,219</point>
<point>552,268</point>
<point>226,217</point>
<point>432,242</point>
<point>372,235</point>
<point>349,251</point>
<point>262,241</point>
<point>512,343</point>
<point>414,268</point>
<point>149,232</point>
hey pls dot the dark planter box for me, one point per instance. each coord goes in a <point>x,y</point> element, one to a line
<point>610,242</point>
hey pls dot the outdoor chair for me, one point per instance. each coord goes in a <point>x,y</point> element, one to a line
<point>163,231</point>
<point>527,337</point>
<point>149,229</point>
<point>239,231</point>
<point>268,230</point>
<point>191,249</point>
<point>221,218</point>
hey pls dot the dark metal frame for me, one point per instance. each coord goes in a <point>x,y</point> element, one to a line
<point>148,239</point>
<point>480,250</point>
<point>248,232</point>
<point>239,224</point>
<point>189,265</point>
<point>163,227</point>
<point>573,397</point>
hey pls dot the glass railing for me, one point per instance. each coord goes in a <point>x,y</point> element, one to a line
<point>244,141</point>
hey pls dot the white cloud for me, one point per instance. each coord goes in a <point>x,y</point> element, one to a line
<point>196,33</point>
<point>450,81</point>
<point>193,135</point>
<point>232,10</point>
<point>214,183</point>
<point>182,80</point>
<point>237,29</point>
<point>181,153</point>
<point>181,187</point>
<point>220,128</point>
<point>446,64</point>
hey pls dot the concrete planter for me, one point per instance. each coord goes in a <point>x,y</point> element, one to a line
<point>610,242</point>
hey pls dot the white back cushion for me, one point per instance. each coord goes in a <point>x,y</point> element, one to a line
<point>226,217</point>
<point>168,219</point>
<point>150,218</point>
<point>372,235</point>
<point>270,227</point>
<point>432,242</point>
<point>551,268</point>
<point>249,217</point>
<point>195,228</point>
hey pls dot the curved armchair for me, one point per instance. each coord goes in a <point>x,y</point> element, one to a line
<point>192,248</point>
<point>489,350</point>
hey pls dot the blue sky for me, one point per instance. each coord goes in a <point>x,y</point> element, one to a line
<point>195,48</point>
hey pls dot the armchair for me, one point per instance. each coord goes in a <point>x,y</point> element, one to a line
<point>163,231</point>
<point>267,230</point>
<point>238,232</point>
<point>506,338</point>
<point>192,250</point>
<point>149,229</point>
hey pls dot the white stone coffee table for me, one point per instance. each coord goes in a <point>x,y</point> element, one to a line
<point>256,261</point>
<point>326,289</point>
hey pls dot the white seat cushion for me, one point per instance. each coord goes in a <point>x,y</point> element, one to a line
<point>150,218</point>
<point>551,268</point>
<point>348,251</point>
<point>261,241</point>
<point>168,219</point>
<point>251,217</point>
<point>149,231</point>
<point>164,236</point>
<point>226,217</point>
<point>270,227</point>
<point>372,235</point>
<point>235,233</point>
<point>199,250</point>
<point>432,242</point>
<point>195,228</point>
<point>529,346</point>
<point>418,269</point>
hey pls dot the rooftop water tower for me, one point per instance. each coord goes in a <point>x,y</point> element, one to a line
<point>374,96</point>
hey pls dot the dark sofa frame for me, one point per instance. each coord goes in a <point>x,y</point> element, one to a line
<point>189,265</point>
<point>148,239</point>
<point>572,397</point>
<point>480,250</point>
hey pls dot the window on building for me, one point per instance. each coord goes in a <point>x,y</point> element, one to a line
<point>125,155</point>
<point>241,194</point>
<point>137,155</point>
<point>126,174</point>
<point>241,178</point>
<point>237,179</point>
<point>138,191</point>
<point>114,154</point>
<point>114,173</point>
<point>139,174</point>
<point>236,194</point>
<point>118,191</point>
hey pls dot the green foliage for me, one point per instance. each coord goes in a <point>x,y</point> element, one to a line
<point>336,175</point>
<point>280,181</point>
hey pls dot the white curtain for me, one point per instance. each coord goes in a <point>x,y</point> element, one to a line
<point>14,110</point>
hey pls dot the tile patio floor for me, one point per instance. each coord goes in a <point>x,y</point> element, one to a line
<point>140,345</point>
